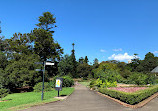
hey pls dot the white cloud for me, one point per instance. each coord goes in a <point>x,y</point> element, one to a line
<point>117,49</point>
<point>102,50</point>
<point>121,57</point>
<point>155,52</point>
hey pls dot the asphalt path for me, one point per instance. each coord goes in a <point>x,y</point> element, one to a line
<point>84,99</point>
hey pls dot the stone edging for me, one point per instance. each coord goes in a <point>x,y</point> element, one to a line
<point>141,104</point>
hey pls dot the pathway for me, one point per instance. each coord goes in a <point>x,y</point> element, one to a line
<point>85,100</point>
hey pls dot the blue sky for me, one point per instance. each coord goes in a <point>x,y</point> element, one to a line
<point>103,29</point>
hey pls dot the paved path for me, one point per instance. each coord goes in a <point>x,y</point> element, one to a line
<point>85,100</point>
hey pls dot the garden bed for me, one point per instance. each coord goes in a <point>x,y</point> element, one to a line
<point>130,98</point>
<point>128,89</point>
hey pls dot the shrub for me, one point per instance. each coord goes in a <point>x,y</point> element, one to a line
<point>67,81</point>
<point>102,84</point>
<point>3,93</point>
<point>130,98</point>
<point>138,78</point>
<point>109,84</point>
<point>38,87</point>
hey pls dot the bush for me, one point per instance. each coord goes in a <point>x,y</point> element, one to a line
<point>130,98</point>
<point>3,93</point>
<point>109,84</point>
<point>138,78</point>
<point>67,81</point>
<point>102,84</point>
<point>38,87</point>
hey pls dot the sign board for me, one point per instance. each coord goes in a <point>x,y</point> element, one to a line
<point>49,63</point>
<point>58,84</point>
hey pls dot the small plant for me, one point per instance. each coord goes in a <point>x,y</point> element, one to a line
<point>3,93</point>
<point>38,87</point>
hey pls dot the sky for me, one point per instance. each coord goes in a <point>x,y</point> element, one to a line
<point>102,29</point>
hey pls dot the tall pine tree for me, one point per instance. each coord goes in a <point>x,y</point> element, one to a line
<point>74,63</point>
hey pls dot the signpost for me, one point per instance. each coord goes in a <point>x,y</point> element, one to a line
<point>45,63</point>
<point>58,84</point>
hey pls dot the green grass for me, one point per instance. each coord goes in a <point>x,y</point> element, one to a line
<point>23,100</point>
<point>86,83</point>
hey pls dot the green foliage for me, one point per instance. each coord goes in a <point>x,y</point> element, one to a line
<point>47,21</point>
<point>138,78</point>
<point>3,60</point>
<point>3,93</point>
<point>84,70</point>
<point>23,50</point>
<point>65,66</point>
<point>109,84</point>
<point>95,63</point>
<point>146,65</point>
<point>19,43</point>
<point>125,73</point>
<point>22,72</point>
<point>74,62</point>
<point>130,98</point>
<point>44,44</point>
<point>67,81</point>
<point>109,75</point>
<point>3,44</point>
<point>100,83</point>
<point>86,59</point>
<point>38,87</point>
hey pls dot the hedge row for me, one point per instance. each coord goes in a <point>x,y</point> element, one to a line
<point>130,98</point>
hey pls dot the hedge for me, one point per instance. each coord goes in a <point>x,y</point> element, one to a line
<point>130,98</point>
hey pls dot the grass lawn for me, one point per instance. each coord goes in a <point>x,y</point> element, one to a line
<point>28,99</point>
<point>86,83</point>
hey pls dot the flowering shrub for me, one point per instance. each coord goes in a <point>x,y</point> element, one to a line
<point>128,89</point>
<point>130,98</point>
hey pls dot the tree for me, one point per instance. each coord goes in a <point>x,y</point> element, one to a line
<point>47,22</point>
<point>42,38</point>
<point>74,62</point>
<point>83,70</point>
<point>3,60</point>
<point>95,63</point>
<point>86,60</point>
<point>150,62</point>
<point>45,46</point>
<point>20,43</point>
<point>135,63</point>
<point>65,66</point>
<point>21,72</point>
<point>2,42</point>
<point>81,60</point>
